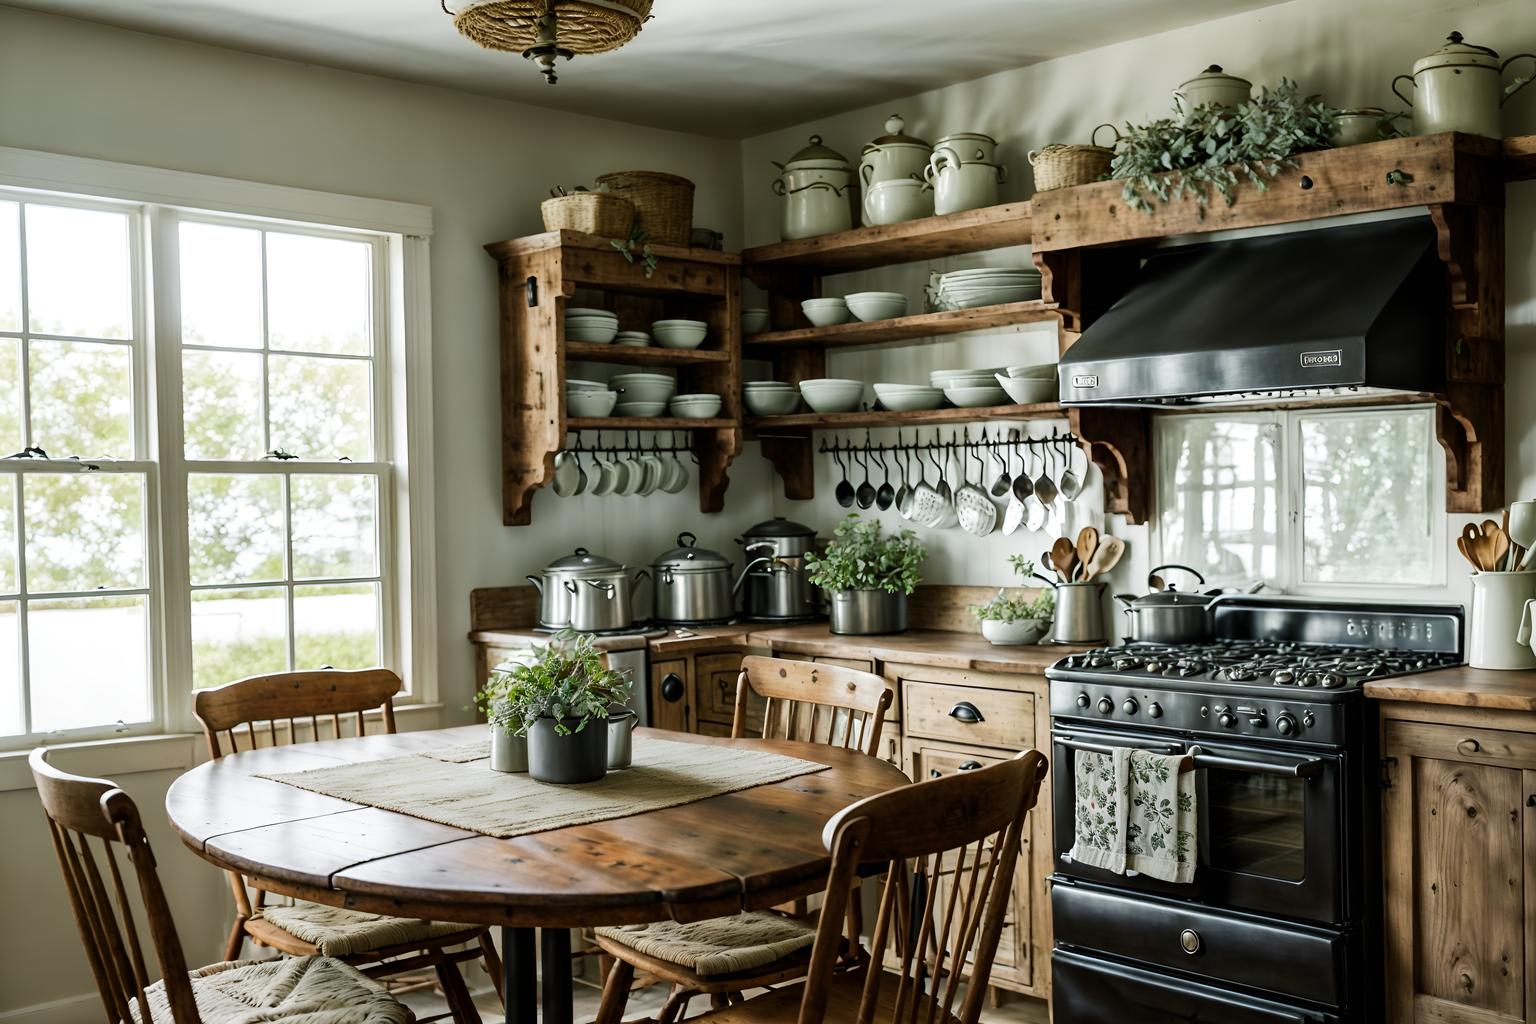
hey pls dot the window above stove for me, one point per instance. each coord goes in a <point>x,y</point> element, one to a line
<point>1305,500</point>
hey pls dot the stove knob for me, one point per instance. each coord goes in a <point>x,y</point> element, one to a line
<point>1083,701</point>
<point>1189,941</point>
<point>1225,718</point>
<point>1307,719</point>
<point>1130,706</point>
<point>1154,710</point>
<point>1106,705</point>
<point>1285,725</point>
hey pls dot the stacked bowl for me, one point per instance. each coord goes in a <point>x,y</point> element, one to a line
<point>679,333</point>
<point>970,389</point>
<point>595,325</point>
<point>909,397</point>
<point>588,398</point>
<point>868,306</point>
<point>695,407</point>
<point>632,339</point>
<point>968,289</point>
<point>826,312</point>
<point>1030,384</point>
<point>833,394</point>
<point>643,394</point>
<point>770,397</point>
<point>754,321</point>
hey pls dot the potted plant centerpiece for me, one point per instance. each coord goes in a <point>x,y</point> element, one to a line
<point>560,699</point>
<point>867,577</point>
<point>1012,617</point>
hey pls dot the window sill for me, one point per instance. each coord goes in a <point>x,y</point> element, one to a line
<point>132,755</point>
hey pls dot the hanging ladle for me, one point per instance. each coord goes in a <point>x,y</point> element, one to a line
<point>844,492</point>
<point>1004,481</point>
<point>1071,484</point>
<point>865,495</point>
<point>886,495</point>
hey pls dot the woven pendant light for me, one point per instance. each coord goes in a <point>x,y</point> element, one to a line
<point>546,30</point>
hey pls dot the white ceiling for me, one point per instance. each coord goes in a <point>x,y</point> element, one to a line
<point>730,68</point>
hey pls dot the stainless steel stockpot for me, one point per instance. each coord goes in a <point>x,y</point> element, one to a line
<point>1170,616</point>
<point>778,586</point>
<point>557,586</point>
<point>693,585</point>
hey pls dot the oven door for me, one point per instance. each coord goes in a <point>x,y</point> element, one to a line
<point>1271,824</point>
<point>1088,990</point>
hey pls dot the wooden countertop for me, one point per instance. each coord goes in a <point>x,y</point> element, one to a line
<point>1461,687</point>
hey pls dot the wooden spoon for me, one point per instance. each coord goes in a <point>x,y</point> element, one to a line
<point>1063,558</point>
<point>1105,557</point>
<point>1087,544</point>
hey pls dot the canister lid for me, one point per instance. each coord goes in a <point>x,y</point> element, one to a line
<point>817,155</point>
<point>896,136</point>
<point>581,560</point>
<point>778,526</point>
<point>1457,54</point>
<point>689,557</point>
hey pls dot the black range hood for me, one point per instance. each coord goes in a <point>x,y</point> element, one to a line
<point>1299,315</point>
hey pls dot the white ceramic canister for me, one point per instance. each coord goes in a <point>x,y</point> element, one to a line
<point>1498,601</point>
<point>962,182</point>
<point>1213,86</point>
<point>894,156</point>
<point>891,202</point>
<point>815,186</point>
<point>1460,88</point>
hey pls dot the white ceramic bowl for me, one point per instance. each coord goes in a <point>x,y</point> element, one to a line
<point>695,407</point>
<point>598,332</point>
<point>1040,371</point>
<point>590,403</point>
<point>908,399</point>
<point>891,202</point>
<point>832,394</point>
<point>976,397</point>
<point>826,312</point>
<point>984,371</point>
<point>640,409</point>
<point>579,313</point>
<point>644,387</point>
<point>577,384</point>
<point>679,333</point>
<point>754,321</point>
<point>641,337</point>
<point>1029,390</point>
<point>770,384</point>
<point>869,306</point>
<point>771,403</point>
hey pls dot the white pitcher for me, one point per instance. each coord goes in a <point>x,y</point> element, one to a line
<point>1499,599</point>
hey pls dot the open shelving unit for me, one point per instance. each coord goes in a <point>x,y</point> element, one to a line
<point>902,329</point>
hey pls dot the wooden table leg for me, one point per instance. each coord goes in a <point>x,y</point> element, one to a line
<point>556,951</point>
<point>519,976</point>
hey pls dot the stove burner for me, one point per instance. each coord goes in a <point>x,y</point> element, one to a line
<point>1265,662</point>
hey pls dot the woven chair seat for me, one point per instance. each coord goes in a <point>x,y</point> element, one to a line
<point>333,931</point>
<point>303,990</point>
<point>722,945</point>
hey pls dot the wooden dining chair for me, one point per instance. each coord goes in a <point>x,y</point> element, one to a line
<point>721,958</point>
<point>291,707</point>
<point>950,846</point>
<point>81,810</point>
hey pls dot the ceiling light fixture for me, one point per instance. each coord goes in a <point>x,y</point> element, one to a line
<point>544,31</point>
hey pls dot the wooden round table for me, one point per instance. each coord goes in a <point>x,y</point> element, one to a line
<point>747,850</point>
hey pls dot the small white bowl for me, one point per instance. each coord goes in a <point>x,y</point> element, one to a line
<point>679,333</point>
<point>590,404</point>
<point>579,313</point>
<point>832,394</point>
<point>754,321</point>
<point>642,390</point>
<point>1029,390</point>
<point>771,403</point>
<point>597,332</point>
<point>976,397</point>
<point>636,408</point>
<point>905,399</point>
<point>1040,371</point>
<point>869,306</point>
<point>695,407</point>
<point>826,312</point>
<point>577,384</point>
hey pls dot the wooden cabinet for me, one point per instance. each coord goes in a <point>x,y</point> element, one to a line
<point>670,707</point>
<point>1459,820</point>
<point>714,688</point>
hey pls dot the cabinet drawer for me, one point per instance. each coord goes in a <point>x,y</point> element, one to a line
<point>714,680</point>
<point>669,695</point>
<point>969,714</point>
<point>1460,743</point>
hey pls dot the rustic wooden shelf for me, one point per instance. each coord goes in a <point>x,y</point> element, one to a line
<point>992,227</point>
<point>907,328</point>
<point>654,355</point>
<point>1520,158</point>
<point>886,418</point>
<point>646,423</point>
<point>592,261</point>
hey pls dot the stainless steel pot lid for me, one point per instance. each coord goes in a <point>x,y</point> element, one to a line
<point>778,526</point>
<point>580,562</point>
<point>1169,599</point>
<point>688,557</point>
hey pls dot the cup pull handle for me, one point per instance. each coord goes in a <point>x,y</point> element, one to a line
<point>968,766</point>
<point>966,712</point>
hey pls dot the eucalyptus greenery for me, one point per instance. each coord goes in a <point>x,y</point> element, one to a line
<point>859,558</point>
<point>638,236</point>
<point>1217,147</point>
<point>1014,606</point>
<point>564,680</point>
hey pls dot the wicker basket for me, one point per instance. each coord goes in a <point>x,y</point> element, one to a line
<point>663,202</point>
<point>596,213</point>
<point>1061,166</point>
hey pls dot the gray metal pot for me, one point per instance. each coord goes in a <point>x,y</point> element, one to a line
<point>509,753</point>
<point>779,587</point>
<point>868,612</point>
<point>554,598</point>
<point>693,585</point>
<point>567,760</point>
<point>621,743</point>
<point>602,602</point>
<point>1170,616</point>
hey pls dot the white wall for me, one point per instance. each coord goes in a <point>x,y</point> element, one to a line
<point>1348,51</point>
<point>482,165</point>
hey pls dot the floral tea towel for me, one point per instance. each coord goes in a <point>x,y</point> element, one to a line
<point>1161,833</point>
<point>1099,808</point>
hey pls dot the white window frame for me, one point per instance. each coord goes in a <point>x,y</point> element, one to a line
<point>402,390</point>
<point>1290,554</point>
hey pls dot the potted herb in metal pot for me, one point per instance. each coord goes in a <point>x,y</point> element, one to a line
<point>509,743</point>
<point>561,700</point>
<point>867,577</point>
<point>1013,617</point>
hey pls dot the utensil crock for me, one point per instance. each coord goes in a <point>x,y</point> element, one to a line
<point>868,612</point>
<point>1498,602</point>
<point>1079,613</point>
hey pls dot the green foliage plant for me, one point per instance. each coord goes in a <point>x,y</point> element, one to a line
<point>564,680</point>
<point>1217,147</point>
<point>1015,605</point>
<point>641,239</point>
<point>859,558</point>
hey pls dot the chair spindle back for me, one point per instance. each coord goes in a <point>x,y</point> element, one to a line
<point>279,708</point>
<point>811,703</point>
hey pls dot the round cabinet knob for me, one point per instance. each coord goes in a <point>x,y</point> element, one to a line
<point>1130,706</point>
<point>672,688</point>
<point>1154,710</point>
<point>1226,719</point>
<point>1083,700</point>
<point>1106,705</point>
<point>1190,941</point>
<point>1285,725</point>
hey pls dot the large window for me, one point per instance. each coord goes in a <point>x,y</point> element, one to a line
<point>1302,499</point>
<point>202,486</point>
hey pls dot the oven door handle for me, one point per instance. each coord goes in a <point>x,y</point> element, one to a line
<point>1107,748</point>
<point>1304,768</point>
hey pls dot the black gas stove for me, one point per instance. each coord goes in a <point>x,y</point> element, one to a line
<point>1272,717</point>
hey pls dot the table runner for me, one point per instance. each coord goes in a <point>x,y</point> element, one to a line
<point>456,787</point>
